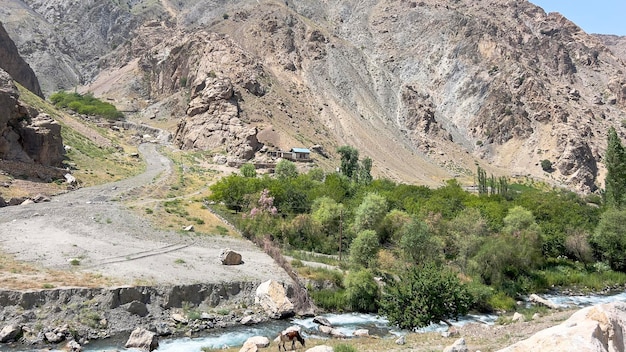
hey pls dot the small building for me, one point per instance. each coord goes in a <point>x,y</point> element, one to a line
<point>294,154</point>
<point>300,154</point>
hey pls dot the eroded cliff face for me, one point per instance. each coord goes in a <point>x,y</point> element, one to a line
<point>14,64</point>
<point>25,134</point>
<point>425,89</point>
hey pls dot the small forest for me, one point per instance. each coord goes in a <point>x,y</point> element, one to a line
<point>419,255</point>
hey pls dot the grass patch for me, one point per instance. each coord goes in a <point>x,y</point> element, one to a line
<point>321,274</point>
<point>332,300</point>
<point>314,257</point>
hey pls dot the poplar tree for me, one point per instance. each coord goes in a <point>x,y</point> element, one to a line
<point>615,162</point>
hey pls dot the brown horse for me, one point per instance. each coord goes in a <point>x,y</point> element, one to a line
<point>290,336</point>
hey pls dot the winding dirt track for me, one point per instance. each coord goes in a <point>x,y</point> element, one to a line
<point>93,227</point>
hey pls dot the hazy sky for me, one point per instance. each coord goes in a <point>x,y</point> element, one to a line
<point>599,16</point>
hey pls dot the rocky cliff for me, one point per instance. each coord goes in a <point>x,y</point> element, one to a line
<point>14,64</point>
<point>426,89</point>
<point>26,135</point>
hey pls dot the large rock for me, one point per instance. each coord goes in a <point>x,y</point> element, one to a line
<point>322,321</point>
<point>10,333</point>
<point>542,301</point>
<point>321,348</point>
<point>259,341</point>
<point>25,135</point>
<point>230,257</point>
<point>458,346</point>
<point>593,329</point>
<point>271,296</point>
<point>142,339</point>
<point>249,347</point>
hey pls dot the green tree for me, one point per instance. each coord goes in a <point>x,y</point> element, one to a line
<point>248,170</point>
<point>361,291</point>
<point>520,221</point>
<point>615,162</point>
<point>610,238</point>
<point>349,160</point>
<point>482,181</point>
<point>286,169</point>
<point>370,213</point>
<point>364,248</point>
<point>425,294</point>
<point>546,165</point>
<point>417,243</point>
<point>365,172</point>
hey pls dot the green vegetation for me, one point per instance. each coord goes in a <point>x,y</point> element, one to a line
<point>483,250</point>
<point>85,104</point>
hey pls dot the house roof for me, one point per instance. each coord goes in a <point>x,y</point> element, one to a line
<point>300,150</point>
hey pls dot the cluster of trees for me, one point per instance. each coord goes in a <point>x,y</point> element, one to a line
<point>85,104</point>
<point>455,249</point>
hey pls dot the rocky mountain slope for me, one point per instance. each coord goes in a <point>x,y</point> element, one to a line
<point>428,90</point>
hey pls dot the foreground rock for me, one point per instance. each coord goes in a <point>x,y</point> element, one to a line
<point>142,339</point>
<point>10,333</point>
<point>230,257</point>
<point>593,329</point>
<point>271,296</point>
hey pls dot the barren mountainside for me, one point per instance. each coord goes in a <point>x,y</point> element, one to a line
<point>426,89</point>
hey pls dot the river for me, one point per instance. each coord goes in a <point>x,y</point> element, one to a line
<point>346,323</point>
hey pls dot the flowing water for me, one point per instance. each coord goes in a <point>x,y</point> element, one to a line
<point>346,323</point>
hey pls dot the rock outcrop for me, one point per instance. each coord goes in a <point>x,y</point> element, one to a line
<point>503,84</point>
<point>14,64</point>
<point>271,296</point>
<point>598,328</point>
<point>25,134</point>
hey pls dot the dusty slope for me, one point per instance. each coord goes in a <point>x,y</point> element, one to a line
<point>425,89</point>
<point>93,226</point>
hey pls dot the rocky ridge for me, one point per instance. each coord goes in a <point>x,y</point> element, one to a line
<point>427,90</point>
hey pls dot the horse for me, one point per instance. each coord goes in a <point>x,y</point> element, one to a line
<point>290,336</point>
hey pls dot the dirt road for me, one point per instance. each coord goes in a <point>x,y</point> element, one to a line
<point>91,230</point>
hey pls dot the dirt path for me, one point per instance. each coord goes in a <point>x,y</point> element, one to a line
<point>90,230</point>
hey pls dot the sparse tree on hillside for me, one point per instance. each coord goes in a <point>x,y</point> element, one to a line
<point>615,162</point>
<point>349,160</point>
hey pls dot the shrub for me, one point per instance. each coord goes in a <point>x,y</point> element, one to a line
<point>85,104</point>
<point>425,294</point>
<point>361,291</point>
<point>364,248</point>
<point>546,165</point>
<point>344,348</point>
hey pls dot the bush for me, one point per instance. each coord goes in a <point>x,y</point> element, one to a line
<point>610,238</point>
<point>364,248</point>
<point>85,104</point>
<point>332,300</point>
<point>361,291</point>
<point>425,294</point>
<point>546,165</point>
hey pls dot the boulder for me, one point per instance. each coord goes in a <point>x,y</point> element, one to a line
<point>401,340</point>
<point>259,341</point>
<point>137,308</point>
<point>325,329</point>
<point>230,257</point>
<point>142,339</point>
<point>54,337</point>
<point>451,332</point>
<point>73,346</point>
<point>458,346</point>
<point>322,321</point>
<point>249,347</point>
<point>247,320</point>
<point>10,333</point>
<point>542,301</point>
<point>361,333</point>
<point>271,296</point>
<point>517,317</point>
<point>321,348</point>
<point>598,328</point>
